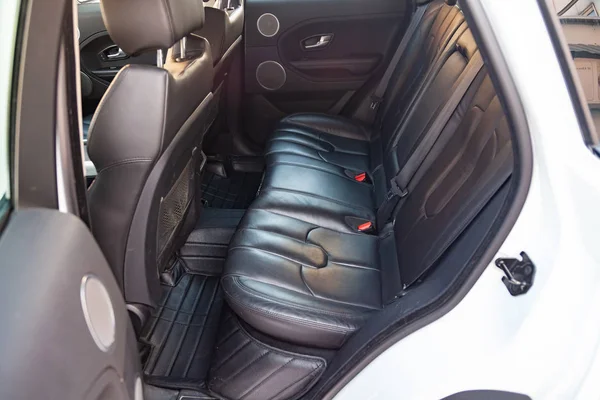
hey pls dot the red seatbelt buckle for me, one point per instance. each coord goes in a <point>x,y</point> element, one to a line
<point>366,227</point>
<point>362,177</point>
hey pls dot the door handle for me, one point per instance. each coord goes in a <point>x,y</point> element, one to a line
<point>118,55</point>
<point>113,53</point>
<point>317,41</point>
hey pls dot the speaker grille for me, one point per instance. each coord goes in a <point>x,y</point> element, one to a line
<point>270,75</point>
<point>268,25</point>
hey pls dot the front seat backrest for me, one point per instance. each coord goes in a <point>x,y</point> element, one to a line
<point>145,142</point>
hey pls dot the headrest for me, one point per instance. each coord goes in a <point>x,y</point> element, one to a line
<point>137,26</point>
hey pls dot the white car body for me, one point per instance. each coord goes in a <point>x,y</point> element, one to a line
<point>544,344</point>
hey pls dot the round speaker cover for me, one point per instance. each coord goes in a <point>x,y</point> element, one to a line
<point>268,25</point>
<point>98,311</point>
<point>270,75</point>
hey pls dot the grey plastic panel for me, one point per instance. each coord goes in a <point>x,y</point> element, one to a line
<point>47,349</point>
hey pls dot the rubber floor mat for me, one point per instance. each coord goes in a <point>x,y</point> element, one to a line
<point>182,331</point>
<point>234,192</point>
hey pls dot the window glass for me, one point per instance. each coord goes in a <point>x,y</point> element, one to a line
<point>9,18</point>
<point>581,27</point>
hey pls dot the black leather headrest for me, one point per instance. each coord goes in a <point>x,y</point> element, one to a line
<point>137,26</point>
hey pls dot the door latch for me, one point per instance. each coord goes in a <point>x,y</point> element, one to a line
<point>518,274</point>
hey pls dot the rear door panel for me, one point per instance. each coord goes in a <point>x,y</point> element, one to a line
<point>363,33</point>
<point>58,336</point>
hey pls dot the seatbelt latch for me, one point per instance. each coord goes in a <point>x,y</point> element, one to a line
<point>365,227</point>
<point>396,190</point>
<point>375,102</point>
<point>362,177</point>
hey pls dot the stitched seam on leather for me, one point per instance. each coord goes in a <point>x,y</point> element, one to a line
<point>357,266</point>
<point>455,162</point>
<point>320,138</point>
<point>327,131</point>
<point>280,234</point>
<point>306,242</point>
<point>334,313</point>
<point>268,252</point>
<point>274,188</point>
<point>435,249</point>
<point>252,292</point>
<point>236,279</point>
<point>340,175</point>
<point>107,96</point>
<point>126,161</point>
<point>164,115</point>
<point>304,280</point>
<point>277,152</point>
<point>297,219</point>
<point>286,319</point>
<point>299,143</point>
<point>170,18</point>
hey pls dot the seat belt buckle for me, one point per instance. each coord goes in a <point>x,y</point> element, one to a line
<point>361,177</point>
<point>375,102</point>
<point>366,227</point>
<point>396,190</point>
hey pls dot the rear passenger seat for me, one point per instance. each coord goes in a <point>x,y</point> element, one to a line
<point>299,268</point>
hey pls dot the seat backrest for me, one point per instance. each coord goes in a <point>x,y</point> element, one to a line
<point>145,141</point>
<point>223,30</point>
<point>439,24</point>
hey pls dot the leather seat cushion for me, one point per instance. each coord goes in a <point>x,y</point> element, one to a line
<point>326,139</point>
<point>299,281</point>
<point>319,155</point>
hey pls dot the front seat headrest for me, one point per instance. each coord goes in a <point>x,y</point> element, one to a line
<point>137,26</point>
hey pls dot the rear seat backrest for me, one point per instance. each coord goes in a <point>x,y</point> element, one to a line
<point>474,143</point>
<point>445,78</point>
<point>438,26</point>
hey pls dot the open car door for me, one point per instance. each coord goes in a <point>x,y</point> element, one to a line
<point>65,330</point>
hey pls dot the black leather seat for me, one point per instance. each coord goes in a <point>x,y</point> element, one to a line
<point>223,31</point>
<point>145,141</point>
<point>298,268</point>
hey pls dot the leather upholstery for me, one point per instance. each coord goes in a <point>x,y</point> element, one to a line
<point>245,368</point>
<point>223,30</point>
<point>341,146</point>
<point>298,269</point>
<point>137,26</point>
<point>141,140</point>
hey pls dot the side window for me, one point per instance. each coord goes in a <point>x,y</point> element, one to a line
<point>580,24</point>
<point>9,18</point>
<point>4,174</point>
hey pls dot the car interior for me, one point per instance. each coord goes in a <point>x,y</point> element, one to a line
<point>279,185</point>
